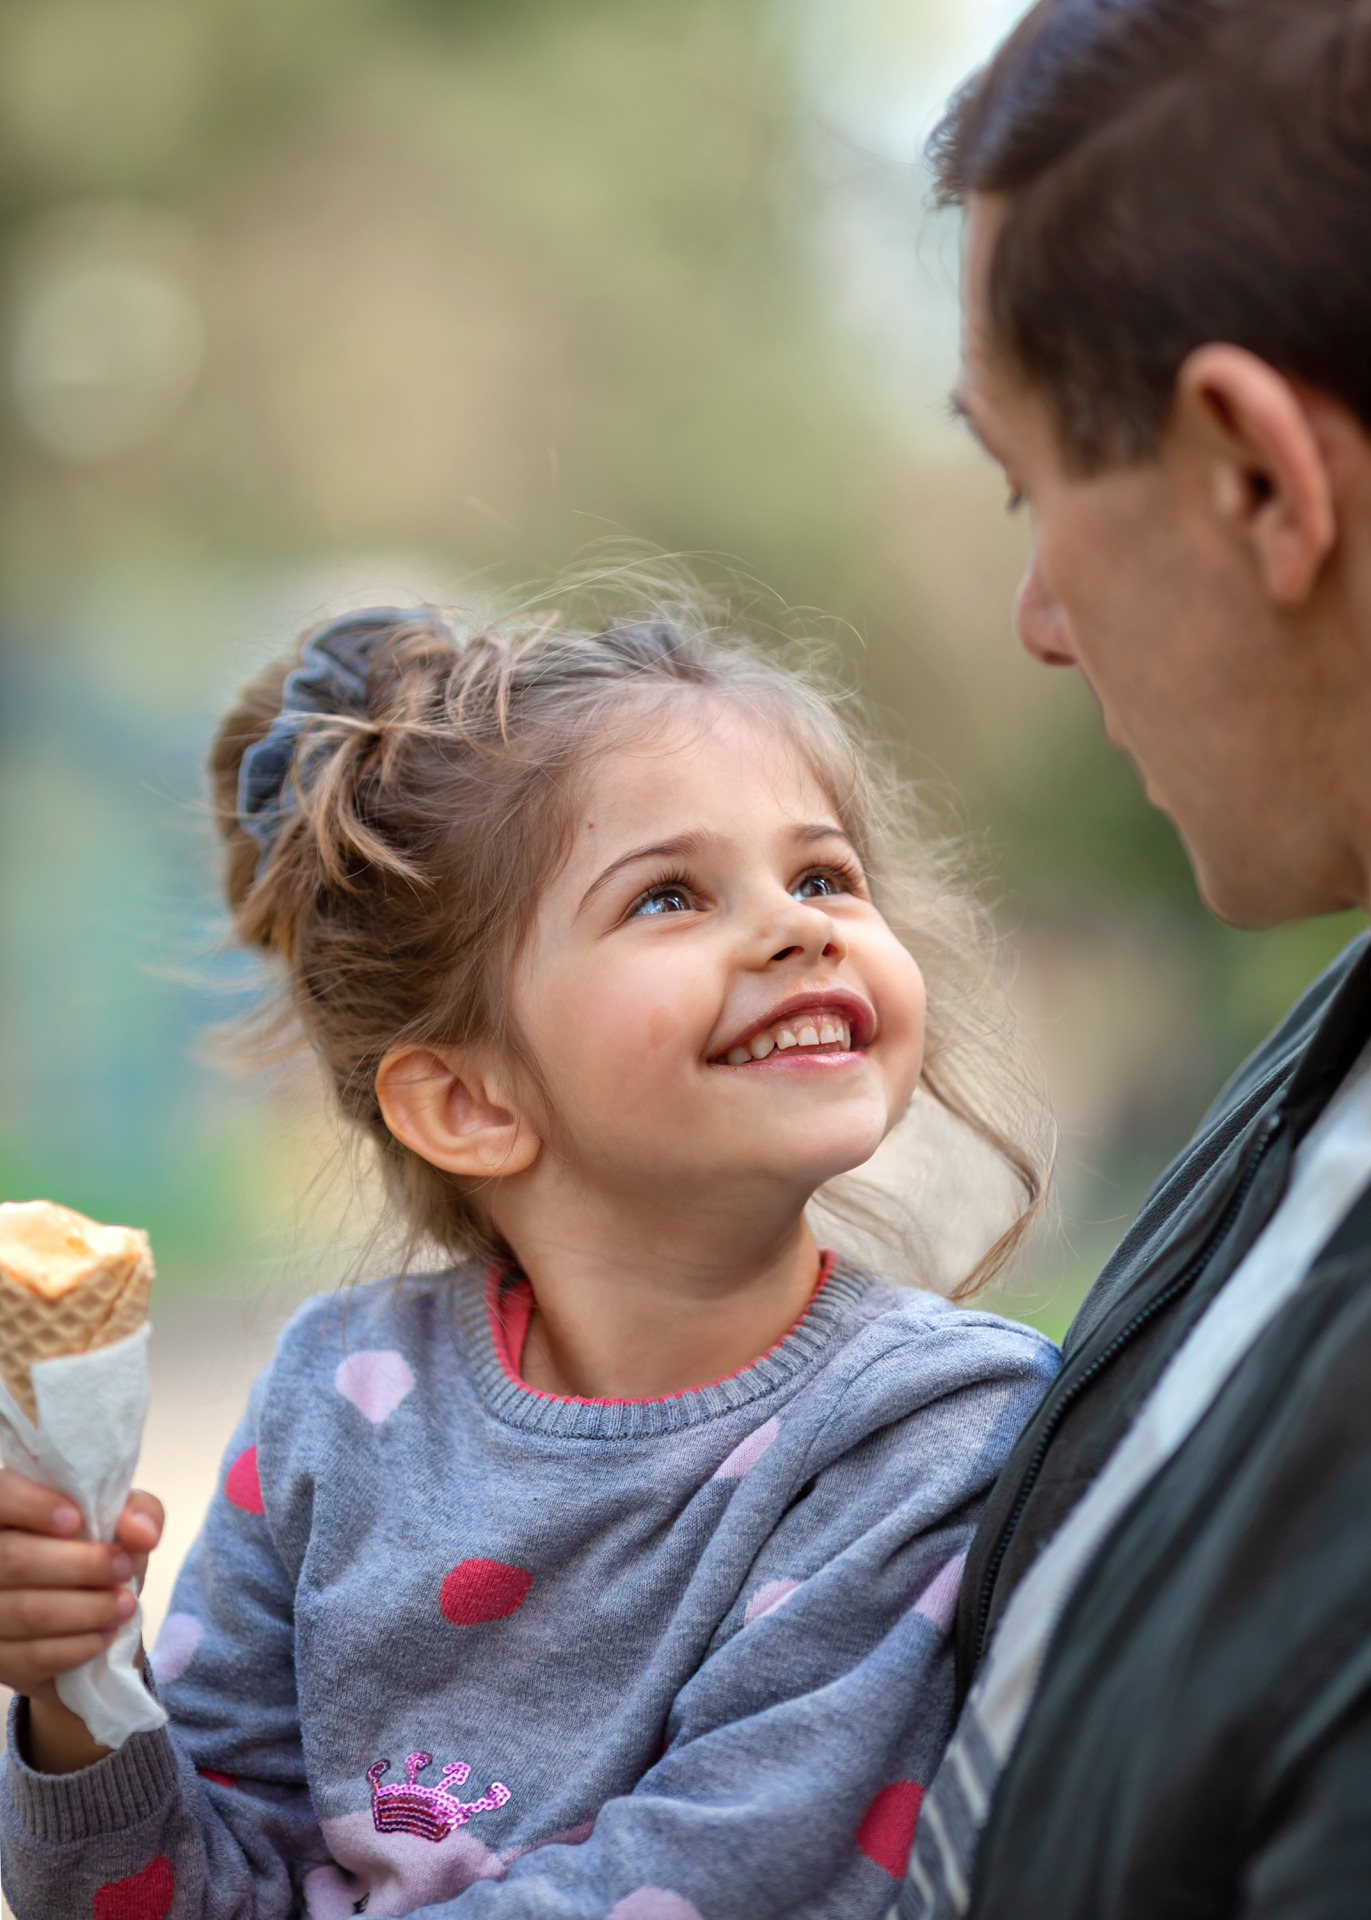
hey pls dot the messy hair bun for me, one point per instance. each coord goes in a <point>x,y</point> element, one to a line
<point>395,796</point>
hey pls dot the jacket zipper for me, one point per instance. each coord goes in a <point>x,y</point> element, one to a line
<point>1183,1281</point>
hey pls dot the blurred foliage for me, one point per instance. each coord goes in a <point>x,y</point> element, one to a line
<point>462,286</point>
<point>472,281</point>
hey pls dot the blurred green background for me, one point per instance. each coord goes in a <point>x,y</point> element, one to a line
<point>313,301</point>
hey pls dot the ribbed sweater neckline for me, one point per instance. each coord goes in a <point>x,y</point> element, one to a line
<point>512,1401</point>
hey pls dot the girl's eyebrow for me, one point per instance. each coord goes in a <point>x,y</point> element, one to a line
<point>685,844</point>
<point>678,848</point>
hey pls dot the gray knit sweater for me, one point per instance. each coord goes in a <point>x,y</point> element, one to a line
<point>447,1646</point>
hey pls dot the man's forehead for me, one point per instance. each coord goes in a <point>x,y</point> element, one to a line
<point>977,402</point>
<point>973,395</point>
<point>983,224</point>
<point>989,397</point>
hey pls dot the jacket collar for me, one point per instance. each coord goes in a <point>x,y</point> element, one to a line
<point>1339,1039</point>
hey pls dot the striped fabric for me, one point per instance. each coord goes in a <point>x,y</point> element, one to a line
<point>1330,1173</point>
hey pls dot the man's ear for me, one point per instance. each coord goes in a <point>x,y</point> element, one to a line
<point>453,1111</point>
<point>1272,452</point>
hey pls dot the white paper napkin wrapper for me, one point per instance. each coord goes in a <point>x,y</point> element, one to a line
<point>91,1408</point>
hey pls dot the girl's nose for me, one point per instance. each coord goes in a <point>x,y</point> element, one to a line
<point>807,933</point>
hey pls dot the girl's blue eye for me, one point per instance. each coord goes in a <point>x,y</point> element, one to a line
<point>821,886</point>
<point>664,899</point>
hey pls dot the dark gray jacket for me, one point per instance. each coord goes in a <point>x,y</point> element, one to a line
<point>1200,1744</point>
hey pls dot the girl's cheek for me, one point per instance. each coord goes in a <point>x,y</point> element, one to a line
<point>906,1018</point>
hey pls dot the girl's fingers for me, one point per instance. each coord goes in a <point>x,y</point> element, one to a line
<point>141,1522</point>
<point>33,1560</point>
<point>26,1667</point>
<point>35,1615</point>
<point>23,1503</point>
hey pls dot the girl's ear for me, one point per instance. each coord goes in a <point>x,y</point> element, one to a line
<point>448,1107</point>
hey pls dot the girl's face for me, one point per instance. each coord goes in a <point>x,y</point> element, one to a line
<point>712,999</point>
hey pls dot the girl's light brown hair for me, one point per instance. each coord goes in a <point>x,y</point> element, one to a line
<point>421,822</point>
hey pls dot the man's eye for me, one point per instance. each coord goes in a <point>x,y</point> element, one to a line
<point>663,899</point>
<point>822,885</point>
<point>1017,498</point>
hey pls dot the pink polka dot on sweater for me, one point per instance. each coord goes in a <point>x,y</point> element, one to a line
<point>375,1381</point>
<point>177,1645</point>
<point>747,1453</point>
<point>328,1896</point>
<point>766,1599</point>
<point>243,1486</point>
<point>938,1601</point>
<point>480,1590</point>
<point>653,1903</point>
<point>886,1834</point>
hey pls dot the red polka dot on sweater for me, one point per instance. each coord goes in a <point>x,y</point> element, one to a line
<point>143,1896</point>
<point>478,1590</point>
<point>653,1903</point>
<point>886,1834</point>
<point>243,1487</point>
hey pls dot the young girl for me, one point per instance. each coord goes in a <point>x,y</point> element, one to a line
<point>608,1572</point>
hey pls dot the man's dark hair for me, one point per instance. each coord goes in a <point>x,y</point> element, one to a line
<point>1176,172</point>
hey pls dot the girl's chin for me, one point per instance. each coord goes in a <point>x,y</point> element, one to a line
<point>811,1161</point>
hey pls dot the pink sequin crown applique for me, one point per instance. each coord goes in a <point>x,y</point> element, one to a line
<point>431,1813</point>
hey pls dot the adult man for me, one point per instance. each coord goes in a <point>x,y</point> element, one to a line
<point>1167,1612</point>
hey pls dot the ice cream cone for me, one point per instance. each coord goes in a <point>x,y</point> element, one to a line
<point>67,1285</point>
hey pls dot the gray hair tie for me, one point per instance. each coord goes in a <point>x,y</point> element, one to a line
<point>330,679</point>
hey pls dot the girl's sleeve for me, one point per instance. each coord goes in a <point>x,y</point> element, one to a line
<point>208,1819</point>
<point>795,1758</point>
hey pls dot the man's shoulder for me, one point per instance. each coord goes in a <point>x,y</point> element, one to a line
<point>1256,1087</point>
<point>1279,1054</point>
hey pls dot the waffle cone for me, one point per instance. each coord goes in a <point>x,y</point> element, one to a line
<point>67,1285</point>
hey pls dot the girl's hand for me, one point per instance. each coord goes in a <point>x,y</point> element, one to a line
<point>62,1601</point>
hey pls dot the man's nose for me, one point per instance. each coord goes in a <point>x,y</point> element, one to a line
<point>1039,620</point>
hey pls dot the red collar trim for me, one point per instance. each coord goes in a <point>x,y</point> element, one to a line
<point>509,1308</point>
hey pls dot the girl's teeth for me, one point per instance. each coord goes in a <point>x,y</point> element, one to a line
<point>814,1032</point>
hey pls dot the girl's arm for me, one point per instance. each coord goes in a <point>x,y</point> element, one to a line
<point>141,1832</point>
<point>796,1756</point>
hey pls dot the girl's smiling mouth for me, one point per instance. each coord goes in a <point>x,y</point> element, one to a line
<point>828,1025</point>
